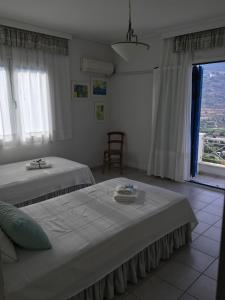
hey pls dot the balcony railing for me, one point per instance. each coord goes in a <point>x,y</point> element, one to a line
<point>212,149</point>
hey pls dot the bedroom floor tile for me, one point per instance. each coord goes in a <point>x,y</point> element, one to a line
<point>194,259</point>
<point>206,197</point>
<point>214,210</point>
<point>206,246</point>
<point>207,217</point>
<point>213,233</point>
<point>197,204</point>
<point>219,202</point>
<point>203,289</point>
<point>195,236</point>
<point>178,274</point>
<point>212,270</point>
<point>187,297</point>
<point>201,227</point>
<point>218,224</point>
<point>157,289</point>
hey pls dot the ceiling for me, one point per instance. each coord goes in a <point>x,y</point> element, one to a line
<point>106,20</point>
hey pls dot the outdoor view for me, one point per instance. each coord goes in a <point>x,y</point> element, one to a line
<point>213,113</point>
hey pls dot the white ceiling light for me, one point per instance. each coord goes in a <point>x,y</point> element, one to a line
<point>130,48</point>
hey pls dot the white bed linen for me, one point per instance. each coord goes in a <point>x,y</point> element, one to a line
<point>91,235</point>
<point>18,184</point>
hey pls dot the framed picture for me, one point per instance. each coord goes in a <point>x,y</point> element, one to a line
<point>100,111</point>
<point>99,87</point>
<point>80,90</point>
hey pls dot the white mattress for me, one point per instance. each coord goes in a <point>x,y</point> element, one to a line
<point>18,184</point>
<point>91,235</point>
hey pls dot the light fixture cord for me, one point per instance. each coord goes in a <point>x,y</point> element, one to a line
<point>130,33</point>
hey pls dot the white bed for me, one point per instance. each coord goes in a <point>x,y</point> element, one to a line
<point>92,235</point>
<point>19,186</point>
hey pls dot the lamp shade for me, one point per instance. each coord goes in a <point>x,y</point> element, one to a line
<point>130,50</point>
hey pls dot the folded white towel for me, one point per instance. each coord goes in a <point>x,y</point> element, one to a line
<point>38,167</point>
<point>125,198</point>
<point>126,189</point>
<point>38,162</point>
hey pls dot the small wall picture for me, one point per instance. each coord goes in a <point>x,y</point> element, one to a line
<point>100,111</point>
<point>99,87</point>
<point>80,90</point>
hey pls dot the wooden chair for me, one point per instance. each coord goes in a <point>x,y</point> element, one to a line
<point>114,154</point>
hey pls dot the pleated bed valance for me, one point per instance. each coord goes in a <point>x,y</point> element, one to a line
<point>19,38</point>
<point>200,40</point>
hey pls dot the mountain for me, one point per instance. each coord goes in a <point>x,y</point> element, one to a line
<point>213,92</point>
<point>213,100</point>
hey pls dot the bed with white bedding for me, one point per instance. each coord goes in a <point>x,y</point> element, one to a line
<point>20,186</point>
<point>93,236</point>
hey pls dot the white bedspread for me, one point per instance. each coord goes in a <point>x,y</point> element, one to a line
<point>91,235</point>
<point>18,184</point>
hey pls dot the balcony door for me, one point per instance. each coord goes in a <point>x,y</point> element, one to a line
<point>208,124</point>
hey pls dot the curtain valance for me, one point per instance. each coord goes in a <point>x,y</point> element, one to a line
<point>19,38</point>
<point>200,40</point>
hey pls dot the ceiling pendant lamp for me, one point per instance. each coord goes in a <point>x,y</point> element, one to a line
<point>131,48</point>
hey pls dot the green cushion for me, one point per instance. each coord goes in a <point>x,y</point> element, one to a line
<point>22,229</point>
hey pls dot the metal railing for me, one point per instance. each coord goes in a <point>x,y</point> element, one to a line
<point>212,149</point>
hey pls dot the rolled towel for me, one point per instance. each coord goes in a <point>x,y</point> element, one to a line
<point>38,162</point>
<point>38,167</point>
<point>126,189</point>
<point>125,198</point>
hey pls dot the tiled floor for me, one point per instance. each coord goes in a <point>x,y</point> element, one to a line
<point>191,273</point>
<point>213,180</point>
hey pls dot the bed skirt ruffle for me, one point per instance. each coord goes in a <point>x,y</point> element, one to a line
<point>137,267</point>
<point>53,194</point>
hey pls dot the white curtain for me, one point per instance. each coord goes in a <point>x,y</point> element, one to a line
<point>6,104</point>
<point>170,146</point>
<point>154,102</point>
<point>37,92</point>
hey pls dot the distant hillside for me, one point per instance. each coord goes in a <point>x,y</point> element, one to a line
<point>213,113</point>
<point>213,93</point>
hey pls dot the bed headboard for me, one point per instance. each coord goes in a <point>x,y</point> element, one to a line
<point>1,280</point>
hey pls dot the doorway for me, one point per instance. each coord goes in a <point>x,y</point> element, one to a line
<point>208,124</point>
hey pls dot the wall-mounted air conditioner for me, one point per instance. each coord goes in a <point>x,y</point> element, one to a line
<point>97,66</point>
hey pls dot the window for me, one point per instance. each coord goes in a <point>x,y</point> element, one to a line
<point>33,102</point>
<point>25,117</point>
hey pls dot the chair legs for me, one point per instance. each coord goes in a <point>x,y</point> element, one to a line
<point>121,165</point>
<point>104,162</point>
<point>103,166</point>
<point>108,162</point>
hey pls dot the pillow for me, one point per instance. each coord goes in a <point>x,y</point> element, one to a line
<point>7,249</point>
<point>22,229</point>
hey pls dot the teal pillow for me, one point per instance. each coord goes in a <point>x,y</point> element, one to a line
<point>22,229</point>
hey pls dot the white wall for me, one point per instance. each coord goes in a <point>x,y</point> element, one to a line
<point>131,104</point>
<point>88,139</point>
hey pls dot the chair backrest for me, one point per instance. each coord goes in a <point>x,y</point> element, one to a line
<point>115,140</point>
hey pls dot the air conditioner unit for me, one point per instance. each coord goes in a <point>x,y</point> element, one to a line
<point>97,66</point>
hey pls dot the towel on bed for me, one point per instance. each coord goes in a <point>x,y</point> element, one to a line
<point>125,193</point>
<point>127,189</point>
<point>38,164</point>
<point>125,198</point>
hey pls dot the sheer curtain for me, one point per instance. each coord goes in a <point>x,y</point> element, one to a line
<point>31,92</point>
<point>170,148</point>
<point>6,104</point>
<point>34,96</point>
<point>41,86</point>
